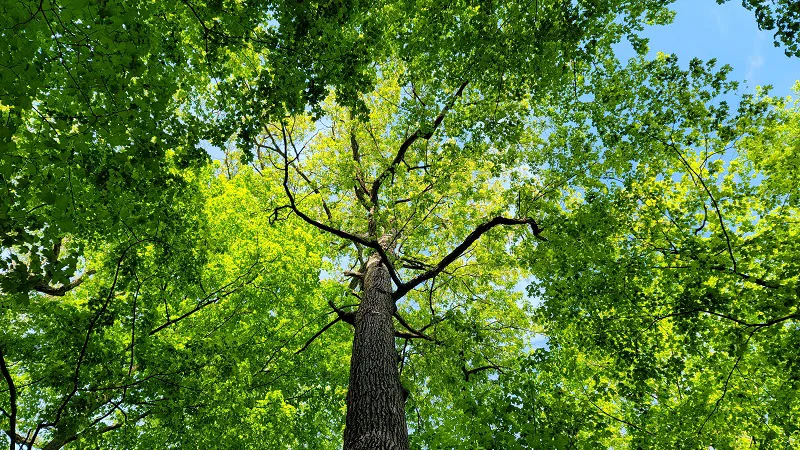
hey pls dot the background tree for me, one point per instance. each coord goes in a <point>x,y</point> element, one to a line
<point>668,287</point>
<point>163,333</point>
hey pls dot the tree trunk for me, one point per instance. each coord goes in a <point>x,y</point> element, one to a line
<point>375,399</point>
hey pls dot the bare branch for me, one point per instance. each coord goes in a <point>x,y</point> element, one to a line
<point>404,335</point>
<point>309,220</point>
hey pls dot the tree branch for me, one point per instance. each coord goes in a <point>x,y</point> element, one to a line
<point>409,141</point>
<point>360,187</point>
<point>618,419</point>
<point>415,333</point>
<point>12,392</point>
<point>84,347</point>
<point>315,190</point>
<point>60,291</point>
<point>335,231</point>
<point>318,334</point>
<point>468,372</point>
<point>57,444</point>
<point>744,323</point>
<point>210,299</point>
<point>309,220</point>
<point>345,316</point>
<point>727,382</point>
<point>696,176</point>
<point>461,248</point>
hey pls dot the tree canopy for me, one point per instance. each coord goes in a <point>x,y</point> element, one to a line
<point>413,195</point>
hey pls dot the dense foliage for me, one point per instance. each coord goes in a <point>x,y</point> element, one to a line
<point>152,298</point>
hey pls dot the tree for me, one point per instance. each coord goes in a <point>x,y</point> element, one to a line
<point>443,152</point>
<point>670,297</point>
<point>163,332</point>
<point>99,161</point>
<point>434,166</point>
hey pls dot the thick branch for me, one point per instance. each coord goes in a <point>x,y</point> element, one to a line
<point>347,317</point>
<point>461,248</point>
<point>12,392</point>
<point>409,141</point>
<point>60,291</point>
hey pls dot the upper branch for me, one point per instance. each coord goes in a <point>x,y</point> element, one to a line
<point>409,141</point>
<point>212,298</point>
<point>361,186</point>
<point>310,221</point>
<point>461,248</point>
<point>335,231</point>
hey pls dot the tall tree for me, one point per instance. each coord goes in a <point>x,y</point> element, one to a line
<point>433,163</point>
<point>434,144</point>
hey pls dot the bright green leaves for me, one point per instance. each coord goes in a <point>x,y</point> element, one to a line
<point>675,277</point>
<point>183,331</point>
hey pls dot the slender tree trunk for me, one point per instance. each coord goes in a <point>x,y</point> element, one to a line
<point>375,399</point>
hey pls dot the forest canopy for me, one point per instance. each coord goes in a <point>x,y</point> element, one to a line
<point>469,224</point>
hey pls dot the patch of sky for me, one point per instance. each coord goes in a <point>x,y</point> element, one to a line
<point>729,33</point>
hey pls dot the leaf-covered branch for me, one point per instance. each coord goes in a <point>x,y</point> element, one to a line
<point>60,291</point>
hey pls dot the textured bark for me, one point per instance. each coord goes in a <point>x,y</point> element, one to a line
<point>375,399</point>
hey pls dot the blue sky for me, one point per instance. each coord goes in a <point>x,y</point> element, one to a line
<point>728,32</point>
